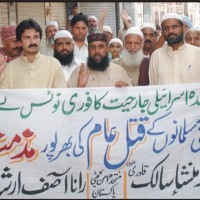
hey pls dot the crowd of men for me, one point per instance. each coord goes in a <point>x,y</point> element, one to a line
<point>86,54</point>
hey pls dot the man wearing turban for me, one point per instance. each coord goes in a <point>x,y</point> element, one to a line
<point>11,48</point>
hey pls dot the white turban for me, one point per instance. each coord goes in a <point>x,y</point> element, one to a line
<point>52,23</point>
<point>92,17</point>
<point>134,30</point>
<point>107,29</point>
<point>148,25</point>
<point>115,40</point>
<point>63,34</point>
<point>171,16</point>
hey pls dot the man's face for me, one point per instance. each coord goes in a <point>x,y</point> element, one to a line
<point>63,50</point>
<point>79,31</point>
<point>98,56</point>
<point>133,43</point>
<point>193,37</point>
<point>30,41</point>
<point>172,31</point>
<point>149,37</point>
<point>12,47</point>
<point>92,25</point>
<point>74,11</point>
<point>98,50</point>
<point>51,31</point>
<point>115,48</point>
<point>63,46</point>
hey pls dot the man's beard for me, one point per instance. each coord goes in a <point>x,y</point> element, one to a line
<point>101,66</point>
<point>176,40</point>
<point>64,59</point>
<point>51,41</point>
<point>132,60</point>
<point>92,29</point>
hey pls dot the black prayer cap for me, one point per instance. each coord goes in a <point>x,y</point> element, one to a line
<point>97,37</point>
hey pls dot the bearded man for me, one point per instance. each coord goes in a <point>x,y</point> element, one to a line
<point>51,30</point>
<point>98,71</point>
<point>132,58</point>
<point>177,62</point>
<point>64,52</point>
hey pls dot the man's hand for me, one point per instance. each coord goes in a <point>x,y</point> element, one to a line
<point>83,76</point>
<point>124,16</point>
<point>121,84</point>
<point>103,14</point>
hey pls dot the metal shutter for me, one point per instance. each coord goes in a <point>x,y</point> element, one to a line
<point>35,10</point>
<point>60,14</point>
<point>90,8</point>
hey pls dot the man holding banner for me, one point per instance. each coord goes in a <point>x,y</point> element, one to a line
<point>98,72</point>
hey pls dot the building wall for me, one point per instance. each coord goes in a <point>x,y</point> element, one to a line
<point>93,8</point>
<point>12,13</point>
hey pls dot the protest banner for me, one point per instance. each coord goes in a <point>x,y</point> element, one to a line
<point>97,143</point>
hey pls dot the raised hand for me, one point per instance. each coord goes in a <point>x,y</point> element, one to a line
<point>83,76</point>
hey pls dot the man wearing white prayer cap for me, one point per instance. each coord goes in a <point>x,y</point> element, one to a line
<point>149,31</point>
<point>50,31</point>
<point>108,31</point>
<point>132,58</point>
<point>92,24</point>
<point>64,52</point>
<point>177,62</point>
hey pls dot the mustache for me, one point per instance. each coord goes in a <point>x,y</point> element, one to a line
<point>172,34</point>
<point>33,45</point>
<point>146,41</point>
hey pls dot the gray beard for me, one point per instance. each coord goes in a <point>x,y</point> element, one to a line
<point>51,41</point>
<point>132,60</point>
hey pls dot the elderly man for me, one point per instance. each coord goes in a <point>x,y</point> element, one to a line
<point>132,58</point>
<point>98,72</point>
<point>192,36</point>
<point>64,52</point>
<point>150,36</point>
<point>92,24</point>
<point>11,48</point>
<point>177,62</point>
<point>51,30</point>
<point>32,69</point>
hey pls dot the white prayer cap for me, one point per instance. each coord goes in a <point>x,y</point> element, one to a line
<point>63,34</point>
<point>171,16</point>
<point>115,40</point>
<point>52,23</point>
<point>107,29</point>
<point>148,25</point>
<point>134,30</point>
<point>92,17</point>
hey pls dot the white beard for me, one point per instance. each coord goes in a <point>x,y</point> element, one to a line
<point>132,60</point>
